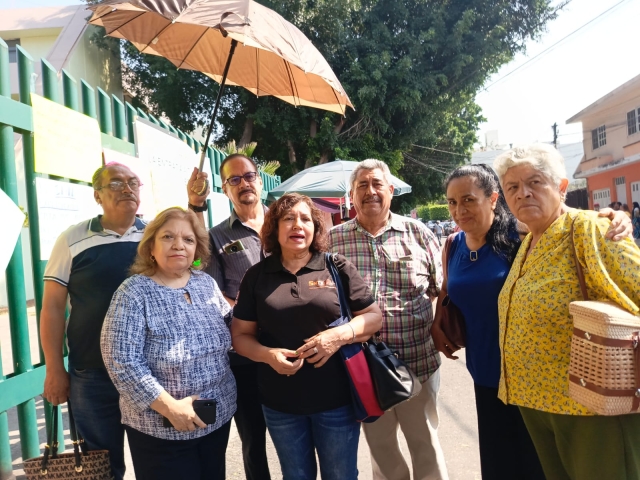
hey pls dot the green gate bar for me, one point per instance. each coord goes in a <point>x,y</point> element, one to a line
<point>116,119</point>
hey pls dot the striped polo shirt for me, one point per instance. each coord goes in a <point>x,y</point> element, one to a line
<point>91,262</point>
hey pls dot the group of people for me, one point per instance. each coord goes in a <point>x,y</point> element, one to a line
<point>174,331</point>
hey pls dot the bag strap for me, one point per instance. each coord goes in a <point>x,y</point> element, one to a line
<point>76,439</point>
<point>583,284</point>
<point>445,259</point>
<point>345,310</point>
<point>51,447</point>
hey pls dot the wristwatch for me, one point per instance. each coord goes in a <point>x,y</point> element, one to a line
<point>203,208</point>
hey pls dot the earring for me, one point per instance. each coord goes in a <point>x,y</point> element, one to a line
<point>153,259</point>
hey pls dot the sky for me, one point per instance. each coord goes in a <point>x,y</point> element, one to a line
<point>581,69</point>
<point>553,87</point>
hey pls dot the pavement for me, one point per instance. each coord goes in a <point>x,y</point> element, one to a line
<point>457,431</point>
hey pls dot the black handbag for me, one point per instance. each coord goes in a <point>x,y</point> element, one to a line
<point>393,380</point>
<point>81,464</point>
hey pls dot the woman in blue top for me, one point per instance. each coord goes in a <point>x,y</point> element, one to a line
<point>479,261</point>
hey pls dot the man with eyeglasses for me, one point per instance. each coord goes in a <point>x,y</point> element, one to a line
<point>235,246</point>
<point>87,264</point>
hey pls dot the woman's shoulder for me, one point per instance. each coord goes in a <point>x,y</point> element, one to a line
<point>340,261</point>
<point>586,222</point>
<point>135,281</point>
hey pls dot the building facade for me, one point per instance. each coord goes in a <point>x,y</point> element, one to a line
<point>611,140</point>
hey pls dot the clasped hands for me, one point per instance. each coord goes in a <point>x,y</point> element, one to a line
<point>316,350</point>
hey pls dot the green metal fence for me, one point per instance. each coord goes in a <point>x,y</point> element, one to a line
<point>116,120</point>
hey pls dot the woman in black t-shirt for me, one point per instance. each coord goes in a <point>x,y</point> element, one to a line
<point>284,307</point>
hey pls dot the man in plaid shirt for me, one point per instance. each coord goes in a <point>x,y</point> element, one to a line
<point>399,258</point>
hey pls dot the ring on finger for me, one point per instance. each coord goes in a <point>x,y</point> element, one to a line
<point>315,350</point>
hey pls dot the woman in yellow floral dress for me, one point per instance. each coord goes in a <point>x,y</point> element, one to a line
<point>536,329</point>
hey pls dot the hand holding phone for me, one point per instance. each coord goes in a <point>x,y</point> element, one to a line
<point>204,408</point>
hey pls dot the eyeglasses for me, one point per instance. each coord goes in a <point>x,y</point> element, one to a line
<point>118,186</point>
<point>249,177</point>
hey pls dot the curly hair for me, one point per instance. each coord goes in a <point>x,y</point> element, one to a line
<point>143,264</point>
<point>269,233</point>
<point>502,236</point>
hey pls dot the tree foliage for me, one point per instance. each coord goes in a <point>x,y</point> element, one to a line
<point>412,69</point>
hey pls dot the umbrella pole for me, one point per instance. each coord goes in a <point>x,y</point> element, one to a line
<point>234,43</point>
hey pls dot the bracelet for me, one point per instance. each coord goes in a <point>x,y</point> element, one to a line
<point>203,208</point>
<point>354,332</point>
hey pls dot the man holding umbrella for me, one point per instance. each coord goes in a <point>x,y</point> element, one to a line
<point>235,246</point>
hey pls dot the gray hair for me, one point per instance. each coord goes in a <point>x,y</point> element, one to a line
<point>541,156</point>
<point>371,164</point>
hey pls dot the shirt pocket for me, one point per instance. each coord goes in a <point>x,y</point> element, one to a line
<point>400,265</point>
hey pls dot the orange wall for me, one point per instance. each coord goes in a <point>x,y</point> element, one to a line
<point>605,180</point>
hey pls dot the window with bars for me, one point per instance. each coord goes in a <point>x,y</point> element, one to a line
<point>633,121</point>
<point>598,137</point>
<point>13,51</point>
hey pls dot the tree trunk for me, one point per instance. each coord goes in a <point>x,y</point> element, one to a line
<point>313,128</point>
<point>292,157</point>
<point>324,158</point>
<point>247,133</point>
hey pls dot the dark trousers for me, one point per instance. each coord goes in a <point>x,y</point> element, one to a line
<point>249,419</point>
<point>506,449</point>
<point>94,400</point>
<point>198,459</point>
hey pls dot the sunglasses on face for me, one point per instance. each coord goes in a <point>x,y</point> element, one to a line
<point>118,186</point>
<point>249,177</point>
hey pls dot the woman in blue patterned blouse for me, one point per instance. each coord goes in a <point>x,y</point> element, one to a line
<point>165,343</point>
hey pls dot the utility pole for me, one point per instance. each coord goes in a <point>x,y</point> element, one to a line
<point>555,134</point>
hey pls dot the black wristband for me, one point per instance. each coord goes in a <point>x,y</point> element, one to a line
<point>203,208</point>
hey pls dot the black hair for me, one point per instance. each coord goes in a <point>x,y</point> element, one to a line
<point>233,156</point>
<point>636,205</point>
<point>503,235</point>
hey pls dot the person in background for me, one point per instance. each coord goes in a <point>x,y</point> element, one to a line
<point>281,321</point>
<point>235,246</point>
<point>164,343</point>
<point>625,209</point>
<point>536,327</point>
<point>438,230</point>
<point>399,259</point>
<point>87,264</point>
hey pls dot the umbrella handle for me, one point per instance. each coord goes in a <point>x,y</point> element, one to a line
<point>234,44</point>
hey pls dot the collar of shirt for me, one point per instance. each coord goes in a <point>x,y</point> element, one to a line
<point>394,223</point>
<point>234,216</point>
<point>273,263</point>
<point>96,226</point>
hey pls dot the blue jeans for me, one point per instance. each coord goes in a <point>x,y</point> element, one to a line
<point>334,434</point>
<point>94,401</point>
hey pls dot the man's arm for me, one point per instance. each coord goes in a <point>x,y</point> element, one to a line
<point>52,321</point>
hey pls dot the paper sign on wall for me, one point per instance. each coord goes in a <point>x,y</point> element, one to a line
<point>220,209</point>
<point>12,221</point>
<point>60,205</point>
<point>171,162</point>
<point>67,143</point>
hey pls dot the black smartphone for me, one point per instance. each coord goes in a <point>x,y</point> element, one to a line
<point>205,409</point>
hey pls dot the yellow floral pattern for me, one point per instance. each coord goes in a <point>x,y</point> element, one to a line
<point>535,326</point>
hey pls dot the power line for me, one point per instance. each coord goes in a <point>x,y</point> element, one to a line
<point>436,150</point>
<point>546,50</point>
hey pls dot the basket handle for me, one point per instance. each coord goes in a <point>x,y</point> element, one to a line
<point>583,284</point>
